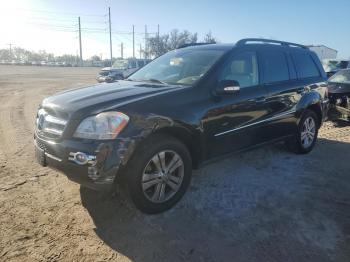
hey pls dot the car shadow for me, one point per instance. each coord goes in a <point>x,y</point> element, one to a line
<point>263,205</point>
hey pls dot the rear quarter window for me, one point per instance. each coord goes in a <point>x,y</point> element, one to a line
<point>305,65</point>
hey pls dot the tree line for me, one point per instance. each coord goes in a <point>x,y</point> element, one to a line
<point>21,54</point>
<point>156,46</point>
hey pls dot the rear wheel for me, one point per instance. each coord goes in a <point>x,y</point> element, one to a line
<point>305,138</point>
<point>158,174</point>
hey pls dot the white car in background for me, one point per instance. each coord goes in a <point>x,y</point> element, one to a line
<point>120,69</point>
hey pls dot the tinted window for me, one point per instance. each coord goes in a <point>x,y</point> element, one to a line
<point>140,63</point>
<point>132,64</point>
<point>243,68</point>
<point>305,65</point>
<point>274,66</point>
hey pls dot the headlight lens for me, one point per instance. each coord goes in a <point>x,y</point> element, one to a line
<point>103,126</point>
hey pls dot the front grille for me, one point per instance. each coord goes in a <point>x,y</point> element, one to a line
<point>49,126</point>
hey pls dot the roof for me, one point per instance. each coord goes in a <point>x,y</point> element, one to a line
<point>210,46</point>
<point>243,42</point>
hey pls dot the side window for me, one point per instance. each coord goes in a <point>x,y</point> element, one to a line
<point>304,64</point>
<point>140,63</point>
<point>274,66</point>
<point>132,64</point>
<point>243,68</point>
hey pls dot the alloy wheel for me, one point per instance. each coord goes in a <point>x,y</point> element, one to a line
<point>308,132</point>
<point>162,176</point>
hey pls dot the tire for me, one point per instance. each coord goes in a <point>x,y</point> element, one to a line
<point>298,143</point>
<point>149,188</point>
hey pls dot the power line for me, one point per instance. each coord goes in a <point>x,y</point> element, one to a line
<point>61,13</point>
<point>51,25</point>
<point>64,21</point>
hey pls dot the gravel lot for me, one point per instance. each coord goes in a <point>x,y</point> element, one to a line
<point>263,205</point>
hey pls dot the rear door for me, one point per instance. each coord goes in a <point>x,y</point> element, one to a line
<point>280,79</point>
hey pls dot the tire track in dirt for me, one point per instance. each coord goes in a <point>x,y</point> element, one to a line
<point>8,136</point>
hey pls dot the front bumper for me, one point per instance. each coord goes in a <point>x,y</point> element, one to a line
<point>101,79</point>
<point>99,173</point>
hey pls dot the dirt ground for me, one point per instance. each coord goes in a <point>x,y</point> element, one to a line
<point>263,205</point>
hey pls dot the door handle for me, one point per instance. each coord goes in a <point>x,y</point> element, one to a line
<point>260,99</point>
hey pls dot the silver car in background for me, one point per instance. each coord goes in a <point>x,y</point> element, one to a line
<point>120,69</point>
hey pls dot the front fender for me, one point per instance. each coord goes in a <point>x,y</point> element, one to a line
<point>145,125</point>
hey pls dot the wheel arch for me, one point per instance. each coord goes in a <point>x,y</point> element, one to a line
<point>188,138</point>
<point>317,109</point>
<point>311,101</point>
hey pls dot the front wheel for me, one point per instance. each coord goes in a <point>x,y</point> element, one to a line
<point>305,139</point>
<point>158,174</point>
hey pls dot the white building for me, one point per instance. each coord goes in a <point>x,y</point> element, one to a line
<point>324,52</point>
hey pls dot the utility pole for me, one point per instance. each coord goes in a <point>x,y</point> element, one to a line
<point>158,42</point>
<point>146,49</point>
<point>10,45</point>
<point>133,41</point>
<point>122,50</point>
<point>110,34</point>
<point>140,51</point>
<point>80,48</point>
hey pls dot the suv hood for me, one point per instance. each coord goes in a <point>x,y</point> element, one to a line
<point>97,98</point>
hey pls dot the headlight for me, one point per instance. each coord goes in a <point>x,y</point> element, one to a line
<point>105,125</point>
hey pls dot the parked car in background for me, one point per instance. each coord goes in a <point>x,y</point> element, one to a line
<point>109,75</point>
<point>183,109</point>
<point>339,95</point>
<point>331,66</point>
<point>120,69</point>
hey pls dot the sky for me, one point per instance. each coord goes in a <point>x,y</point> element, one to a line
<point>52,25</point>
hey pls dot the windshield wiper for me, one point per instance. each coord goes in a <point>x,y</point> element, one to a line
<point>153,80</point>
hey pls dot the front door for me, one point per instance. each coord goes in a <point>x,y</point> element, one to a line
<point>232,121</point>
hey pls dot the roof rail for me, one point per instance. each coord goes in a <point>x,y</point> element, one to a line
<point>193,44</point>
<point>267,41</point>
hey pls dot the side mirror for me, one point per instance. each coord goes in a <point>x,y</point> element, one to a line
<point>228,87</point>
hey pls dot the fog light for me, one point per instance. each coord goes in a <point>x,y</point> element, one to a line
<point>81,158</point>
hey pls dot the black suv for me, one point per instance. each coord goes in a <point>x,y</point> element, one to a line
<point>181,110</point>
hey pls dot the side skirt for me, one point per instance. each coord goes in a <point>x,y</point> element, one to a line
<point>224,156</point>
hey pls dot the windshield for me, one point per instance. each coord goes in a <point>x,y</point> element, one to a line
<point>182,67</point>
<point>120,64</point>
<point>334,65</point>
<point>342,76</point>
